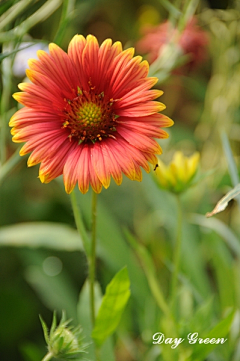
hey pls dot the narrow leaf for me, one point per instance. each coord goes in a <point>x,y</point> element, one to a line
<point>220,331</point>
<point>233,171</point>
<point>232,166</point>
<point>54,323</point>
<point>13,12</point>
<point>84,318</point>
<point>222,204</point>
<point>41,234</point>
<point>9,53</point>
<point>150,272</point>
<point>10,164</point>
<point>112,306</point>
<point>45,330</point>
<point>220,228</point>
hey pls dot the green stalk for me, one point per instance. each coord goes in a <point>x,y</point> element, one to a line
<point>6,68</point>
<point>79,223</point>
<point>48,357</point>
<point>92,259</point>
<point>66,17</point>
<point>176,255</point>
<point>188,12</point>
<point>172,9</point>
<point>10,164</point>
<point>90,249</point>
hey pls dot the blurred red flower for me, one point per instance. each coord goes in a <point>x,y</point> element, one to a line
<point>192,40</point>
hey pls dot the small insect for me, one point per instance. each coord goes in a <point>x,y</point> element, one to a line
<point>156,167</point>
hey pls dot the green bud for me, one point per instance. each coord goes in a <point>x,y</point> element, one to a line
<point>64,342</point>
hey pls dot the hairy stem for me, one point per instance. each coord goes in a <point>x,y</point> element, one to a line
<point>79,223</point>
<point>48,357</point>
<point>176,255</point>
<point>92,259</point>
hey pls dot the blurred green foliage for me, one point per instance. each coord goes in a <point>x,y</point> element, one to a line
<point>204,104</point>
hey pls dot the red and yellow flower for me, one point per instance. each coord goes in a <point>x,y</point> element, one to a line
<point>89,114</point>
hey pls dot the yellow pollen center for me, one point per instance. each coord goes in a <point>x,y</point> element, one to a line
<point>89,116</point>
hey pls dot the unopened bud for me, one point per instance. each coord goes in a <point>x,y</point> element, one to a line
<point>178,175</point>
<point>63,342</point>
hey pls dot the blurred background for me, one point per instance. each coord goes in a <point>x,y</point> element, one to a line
<point>42,265</point>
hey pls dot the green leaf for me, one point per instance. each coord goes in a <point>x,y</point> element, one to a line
<point>84,318</point>
<point>222,204</point>
<point>54,323</point>
<point>7,167</point>
<point>112,306</point>
<point>221,262</point>
<point>45,329</point>
<point>47,9</point>
<point>41,234</point>
<point>233,171</point>
<point>220,228</point>
<point>9,53</point>
<point>13,12</point>
<point>150,272</point>
<point>219,331</point>
<point>202,316</point>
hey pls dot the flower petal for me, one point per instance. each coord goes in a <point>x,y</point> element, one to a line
<point>111,163</point>
<point>71,171</point>
<point>52,167</point>
<point>139,141</point>
<point>99,165</point>
<point>143,128</point>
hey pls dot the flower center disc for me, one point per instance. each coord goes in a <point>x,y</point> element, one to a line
<point>90,114</point>
<point>89,117</point>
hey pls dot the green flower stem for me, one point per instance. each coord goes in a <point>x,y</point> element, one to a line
<point>150,272</point>
<point>90,249</point>
<point>6,168</point>
<point>189,10</point>
<point>157,293</point>
<point>48,357</point>
<point>92,259</point>
<point>6,68</point>
<point>177,254</point>
<point>66,17</point>
<point>79,223</point>
<point>172,9</point>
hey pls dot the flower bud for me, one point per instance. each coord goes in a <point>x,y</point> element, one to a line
<point>179,174</point>
<point>63,342</point>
